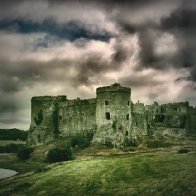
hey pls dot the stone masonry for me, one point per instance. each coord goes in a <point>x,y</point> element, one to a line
<point>111,117</point>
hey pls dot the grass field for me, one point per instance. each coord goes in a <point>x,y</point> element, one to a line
<point>6,142</point>
<point>139,174</point>
<point>10,161</point>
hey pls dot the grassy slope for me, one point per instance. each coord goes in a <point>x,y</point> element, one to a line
<point>6,142</point>
<point>140,174</point>
<point>10,161</point>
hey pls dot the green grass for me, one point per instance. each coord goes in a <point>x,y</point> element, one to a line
<point>6,142</point>
<point>139,174</point>
<point>10,161</point>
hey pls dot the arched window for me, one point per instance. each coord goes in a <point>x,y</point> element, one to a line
<point>127,116</point>
<point>107,116</point>
<point>128,103</point>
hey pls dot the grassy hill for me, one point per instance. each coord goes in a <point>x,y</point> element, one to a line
<point>160,173</point>
<point>100,170</point>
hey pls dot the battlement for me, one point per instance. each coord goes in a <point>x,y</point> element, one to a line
<point>178,104</point>
<point>49,98</point>
<point>113,88</point>
<point>192,110</point>
<point>79,101</point>
<point>180,107</point>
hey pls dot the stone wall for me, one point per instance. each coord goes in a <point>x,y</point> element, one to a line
<point>192,120</point>
<point>111,116</point>
<point>43,126</point>
<point>77,117</point>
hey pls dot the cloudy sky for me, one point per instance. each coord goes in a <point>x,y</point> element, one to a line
<point>72,47</point>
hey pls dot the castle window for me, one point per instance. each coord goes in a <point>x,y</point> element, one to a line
<point>126,133</point>
<point>107,116</point>
<point>127,116</point>
<point>39,138</point>
<point>106,102</point>
<point>128,103</point>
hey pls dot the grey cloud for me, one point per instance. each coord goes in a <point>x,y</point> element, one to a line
<point>148,19</point>
<point>182,22</point>
<point>138,80</point>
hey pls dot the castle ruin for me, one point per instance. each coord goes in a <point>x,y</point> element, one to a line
<point>111,117</point>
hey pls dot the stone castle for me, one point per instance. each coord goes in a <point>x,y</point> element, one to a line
<point>111,117</point>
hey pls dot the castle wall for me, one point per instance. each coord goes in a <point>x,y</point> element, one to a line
<point>111,116</point>
<point>192,120</point>
<point>139,116</point>
<point>77,117</point>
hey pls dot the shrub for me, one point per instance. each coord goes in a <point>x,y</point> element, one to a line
<point>24,153</point>
<point>11,148</point>
<point>158,144</point>
<point>130,143</point>
<point>57,155</point>
<point>80,141</point>
<point>183,150</point>
<point>108,142</point>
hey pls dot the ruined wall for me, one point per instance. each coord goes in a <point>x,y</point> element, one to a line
<point>141,118</point>
<point>192,121</point>
<point>44,122</point>
<point>77,117</point>
<point>176,114</point>
<point>111,116</point>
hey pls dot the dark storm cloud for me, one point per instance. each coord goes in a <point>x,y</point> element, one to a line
<point>71,31</point>
<point>120,55</point>
<point>147,52</point>
<point>140,81</point>
<point>15,76</point>
<point>8,105</point>
<point>164,37</point>
<point>182,22</point>
<point>95,65</point>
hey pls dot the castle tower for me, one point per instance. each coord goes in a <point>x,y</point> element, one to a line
<point>44,118</point>
<point>113,106</point>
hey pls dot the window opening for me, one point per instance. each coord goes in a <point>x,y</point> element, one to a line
<point>107,116</point>
<point>106,102</point>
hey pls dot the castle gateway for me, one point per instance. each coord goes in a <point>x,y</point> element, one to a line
<point>111,117</point>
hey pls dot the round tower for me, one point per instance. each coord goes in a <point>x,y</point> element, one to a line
<point>113,106</point>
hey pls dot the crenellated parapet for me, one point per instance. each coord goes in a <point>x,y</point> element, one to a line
<point>49,98</point>
<point>79,101</point>
<point>113,88</point>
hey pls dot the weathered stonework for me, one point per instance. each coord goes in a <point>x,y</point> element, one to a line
<point>111,117</point>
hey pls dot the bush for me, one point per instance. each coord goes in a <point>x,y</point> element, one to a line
<point>80,141</point>
<point>158,144</point>
<point>108,142</point>
<point>11,148</point>
<point>183,150</point>
<point>57,155</point>
<point>24,153</point>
